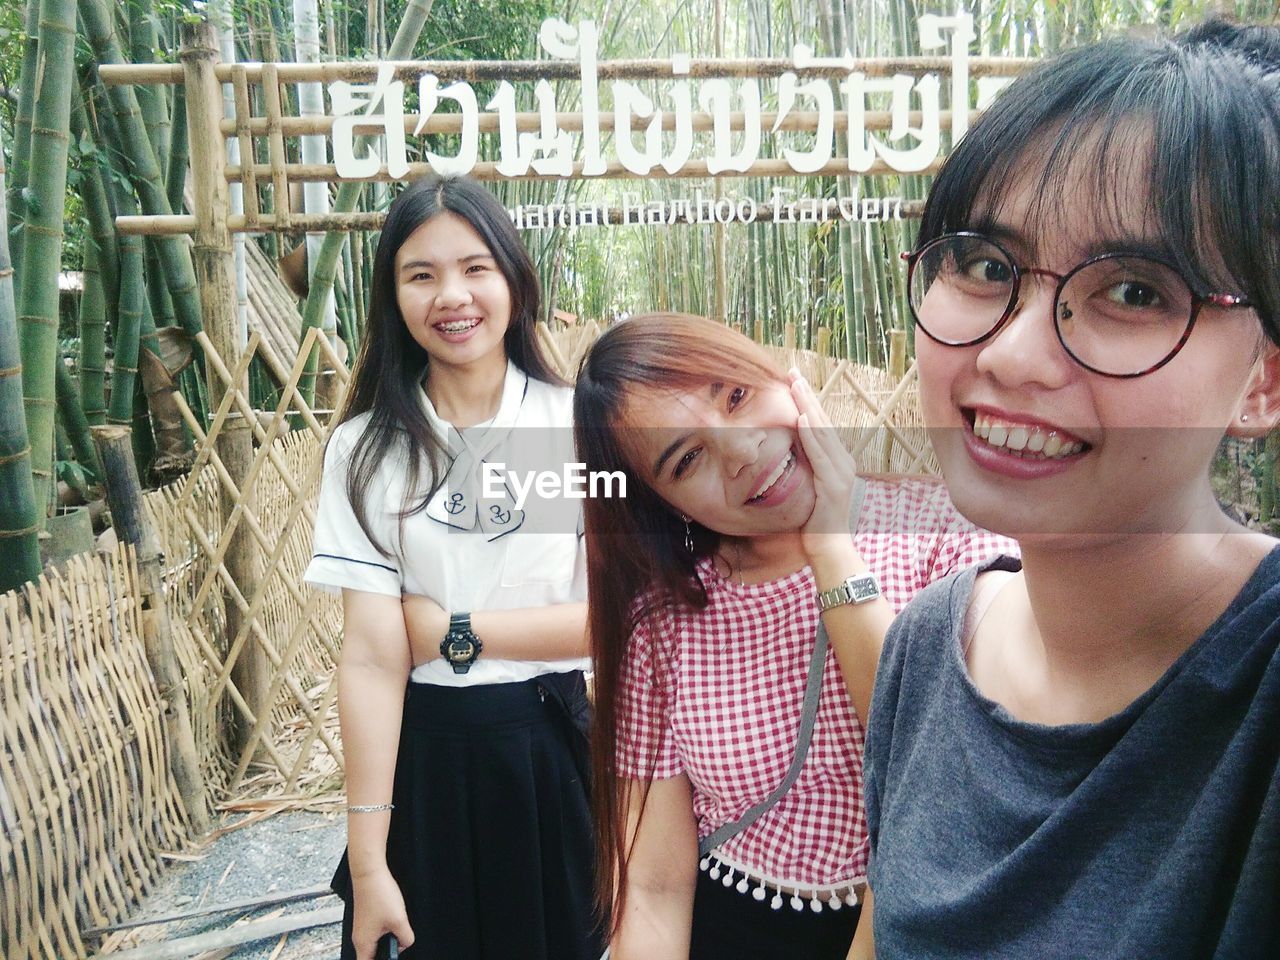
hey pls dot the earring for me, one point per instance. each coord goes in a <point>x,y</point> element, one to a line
<point>1244,418</point>
<point>688,534</point>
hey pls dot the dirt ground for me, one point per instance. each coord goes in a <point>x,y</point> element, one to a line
<point>277,854</point>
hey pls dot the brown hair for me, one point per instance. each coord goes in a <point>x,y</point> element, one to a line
<point>637,561</point>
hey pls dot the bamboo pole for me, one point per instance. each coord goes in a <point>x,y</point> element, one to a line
<point>822,344</point>
<point>27,87</point>
<point>897,370</point>
<point>630,69</point>
<point>720,286</point>
<point>373,220</point>
<point>213,263</point>
<point>19,516</point>
<point>488,170</point>
<point>42,235</point>
<point>132,525</point>
<point>797,121</point>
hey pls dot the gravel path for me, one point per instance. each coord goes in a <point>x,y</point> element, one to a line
<point>279,854</point>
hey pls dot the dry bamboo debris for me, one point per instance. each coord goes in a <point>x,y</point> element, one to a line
<point>233,936</point>
<point>643,69</point>
<point>234,906</point>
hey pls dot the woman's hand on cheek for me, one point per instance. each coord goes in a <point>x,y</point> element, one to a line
<point>426,622</point>
<point>827,529</point>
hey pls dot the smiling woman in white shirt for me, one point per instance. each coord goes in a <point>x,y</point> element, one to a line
<point>461,694</point>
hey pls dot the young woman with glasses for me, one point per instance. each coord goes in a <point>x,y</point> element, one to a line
<point>1078,755</point>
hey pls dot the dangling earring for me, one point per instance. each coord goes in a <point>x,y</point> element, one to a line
<point>688,534</point>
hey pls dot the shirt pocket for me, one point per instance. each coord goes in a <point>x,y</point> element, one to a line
<point>539,558</point>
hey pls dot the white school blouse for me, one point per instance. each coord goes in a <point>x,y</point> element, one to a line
<point>539,564</point>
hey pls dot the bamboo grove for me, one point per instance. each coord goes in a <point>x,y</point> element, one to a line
<point>76,154</point>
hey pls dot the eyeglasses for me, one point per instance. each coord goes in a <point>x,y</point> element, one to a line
<point>1119,314</point>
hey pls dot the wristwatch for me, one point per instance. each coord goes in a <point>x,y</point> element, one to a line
<point>857,589</point>
<point>460,645</point>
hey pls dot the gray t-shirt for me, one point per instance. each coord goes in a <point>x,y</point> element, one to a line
<point>1153,834</point>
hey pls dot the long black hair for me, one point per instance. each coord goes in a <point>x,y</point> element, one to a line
<point>388,372</point>
<point>1204,109</point>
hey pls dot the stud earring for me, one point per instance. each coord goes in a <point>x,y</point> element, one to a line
<point>1244,418</point>
<point>688,534</point>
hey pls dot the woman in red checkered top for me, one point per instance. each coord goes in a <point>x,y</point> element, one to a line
<point>728,738</point>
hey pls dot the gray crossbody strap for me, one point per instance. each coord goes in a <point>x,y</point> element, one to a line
<point>808,716</point>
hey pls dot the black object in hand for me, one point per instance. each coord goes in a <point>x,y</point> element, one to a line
<point>388,948</point>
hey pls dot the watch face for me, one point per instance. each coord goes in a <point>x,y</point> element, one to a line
<point>460,648</point>
<point>864,589</point>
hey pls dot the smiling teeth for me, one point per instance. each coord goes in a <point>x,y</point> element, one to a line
<point>774,477</point>
<point>1025,440</point>
<point>457,326</point>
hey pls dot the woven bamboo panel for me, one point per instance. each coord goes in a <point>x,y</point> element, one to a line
<point>86,800</point>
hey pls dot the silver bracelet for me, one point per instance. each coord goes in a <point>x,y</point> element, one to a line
<point>370,807</point>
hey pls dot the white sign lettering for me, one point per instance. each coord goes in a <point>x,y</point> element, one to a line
<point>640,142</point>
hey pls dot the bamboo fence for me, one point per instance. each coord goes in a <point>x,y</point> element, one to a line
<point>87,804</point>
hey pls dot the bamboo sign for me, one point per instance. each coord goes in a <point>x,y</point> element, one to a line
<point>697,117</point>
<point>553,151</point>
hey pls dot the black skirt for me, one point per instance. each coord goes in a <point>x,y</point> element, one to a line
<point>728,925</point>
<point>491,839</point>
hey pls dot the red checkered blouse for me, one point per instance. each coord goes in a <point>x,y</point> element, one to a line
<point>722,704</point>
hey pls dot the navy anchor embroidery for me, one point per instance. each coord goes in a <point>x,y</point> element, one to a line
<point>500,515</point>
<point>455,504</point>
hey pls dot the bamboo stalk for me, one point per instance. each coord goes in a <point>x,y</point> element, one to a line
<point>144,170</point>
<point>133,300</point>
<point>124,496</point>
<point>74,421</point>
<point>42,235</point>
<point>22,122</point>
<point>19,516</point>
<point>629,69</point>
<point>94,169</point>
<point>176,179</point>
<point>213,261</point>
<point>93,340</point>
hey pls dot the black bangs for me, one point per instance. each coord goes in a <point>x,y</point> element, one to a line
<point>1192,125</point>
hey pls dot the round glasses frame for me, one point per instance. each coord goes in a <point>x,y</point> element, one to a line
<point>1197,300</point>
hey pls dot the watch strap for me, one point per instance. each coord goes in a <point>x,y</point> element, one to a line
<point>460,623</point>
<point>859,588</point>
